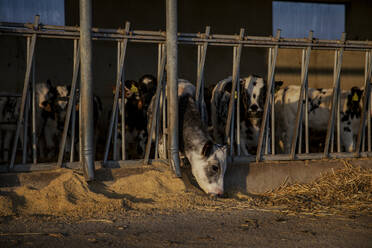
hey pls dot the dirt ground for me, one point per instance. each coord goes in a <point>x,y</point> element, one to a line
<point>142,207</point>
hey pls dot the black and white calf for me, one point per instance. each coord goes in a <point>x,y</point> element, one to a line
<point>207,159</point>
<point>253,91</point>
<point>137,100</point>
<point>286,100</point>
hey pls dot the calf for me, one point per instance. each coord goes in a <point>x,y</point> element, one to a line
<point>253,95</point>
<point>207,159</point>
<point>138,97</point>
<point>320,100</point>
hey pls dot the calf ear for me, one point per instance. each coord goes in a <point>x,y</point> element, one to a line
<point>207,149</point>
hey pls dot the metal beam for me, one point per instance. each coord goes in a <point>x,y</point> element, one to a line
<point>86,90</point>
<point>172,85</point>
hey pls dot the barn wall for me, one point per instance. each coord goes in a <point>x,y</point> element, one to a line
<point>54,57</point>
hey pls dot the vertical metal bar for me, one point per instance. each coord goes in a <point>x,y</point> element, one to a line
<point>230,139</point>
<point>369,59</point>
<point>70,106</point>
<point>306,95</point>
<point>24,153</point>
<point>267,100</point>
<point>123,124</point>
<point>159,113</point>
<point>202,53</point>
<point>339,119</point>
<point>24,93</point>
<point>86,89</point>
<point>300,107</point>
<point>25,128</point>
<point>366,101</point>
<point>299,146</point>
<point>237,107</point>
<point>73,120</point>
<point>155,109</point>
<point>336,86</point>
<point>34,136</point>
<point>172,85</point>
<point>115,136</point>
<point>165,147</point>
<point>235,80</point>
<point>334,78</point>
<point>116,97</point>
<point>272,106</point>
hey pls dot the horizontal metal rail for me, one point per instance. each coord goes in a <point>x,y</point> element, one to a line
<point>68,32</point>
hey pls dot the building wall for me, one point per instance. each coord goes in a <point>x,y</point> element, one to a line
<point>54,57</point>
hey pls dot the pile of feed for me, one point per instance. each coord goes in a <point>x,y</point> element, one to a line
<point>347,191</point>
<point>64,193</point>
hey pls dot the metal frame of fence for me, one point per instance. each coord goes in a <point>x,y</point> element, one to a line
<point>162,111</point>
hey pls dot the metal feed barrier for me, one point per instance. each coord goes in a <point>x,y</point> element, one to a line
<point>161,108</point>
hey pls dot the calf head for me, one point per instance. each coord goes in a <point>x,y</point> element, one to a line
<point>210,168</point>
<point>147,87</point>
<point>353,104</point>
<point>45,93</point>
<point>253,95</point>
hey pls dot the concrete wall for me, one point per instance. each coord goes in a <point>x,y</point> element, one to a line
<point>54,57</point>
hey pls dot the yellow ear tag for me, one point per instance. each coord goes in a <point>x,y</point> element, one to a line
<point>236,95</point>
<point>355,97</point>
<point>134,89</point>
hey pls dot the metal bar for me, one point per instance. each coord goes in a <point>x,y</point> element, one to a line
<point>230,139</point>
<point>123,124</point>
<point>202,52</point>
<point>86,90</point>
<point>155,108</point>
<point>70,106</point>
<point>369,59</point>
<point>237,105</point>
<point>304,74</point>
<point>366,101</point>
<point>299,145</point>
<point>267,103</point>
<point>24,152</point>
<point>24,93</point>
<point>115,136</point>
<point>272,105</point>
<point>34,136</point>
<point>116,120</point>
<point>334,78</point>
<point>73,120</point>
<point>172,85</point>
<point>165,140</point>
<point>336,85</point>
<point>159,113</point>
<point>25,128</point>
<point>116,97</point>
<point>231,109</point>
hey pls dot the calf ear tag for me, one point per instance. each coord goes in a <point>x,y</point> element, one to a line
<point>236,95</point>
<point>355,97</point>
<point>134,89</point>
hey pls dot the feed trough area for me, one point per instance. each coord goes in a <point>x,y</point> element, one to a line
<point>133,130</point>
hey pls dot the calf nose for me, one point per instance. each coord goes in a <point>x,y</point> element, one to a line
<point>254,107</point>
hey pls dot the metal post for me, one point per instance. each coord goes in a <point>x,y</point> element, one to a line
<point>155,108</point>
<point>123,125</point>
<point>335,63</point>
<point>172,85</point>
<point>73,119</point>
<point>267,100</point>
<point>336,85</point>
<point>24,93</point>
<point>272,104</point>
<point>115,136</point>
<point>162,96</point>
<point>34,136</point>
<point>164,109</point>
<point>24,152</point>
<point>366,101</point>
<point>71,101</point>
<point>237,106</point>
<point>86,89</point>
<point>202,53</point>
<point>235,81</point>
<point>301,101</point>
<point>369,65</point>
<point>116,97</point>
